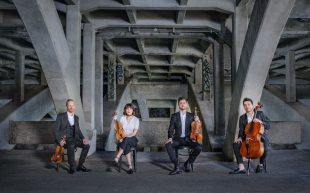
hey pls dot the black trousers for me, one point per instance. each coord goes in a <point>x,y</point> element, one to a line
<point>127,143</point>
<point>176,143</point>
<point>71,144</point>
<point>237,147</point>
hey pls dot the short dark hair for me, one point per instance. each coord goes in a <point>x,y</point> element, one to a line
<point>247,99</point>
<point>69,100</point>
<point>181,98</point>
<point>129,105</point>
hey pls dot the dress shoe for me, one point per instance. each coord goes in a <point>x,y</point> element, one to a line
<point>238,171</point>
<point>259,169</point>
<point>71,170</point>
<point>130,171</point>
<point>82,168</point>
<point>176,171</point>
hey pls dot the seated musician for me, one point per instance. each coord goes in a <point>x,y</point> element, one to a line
<point>179,135</point>
<point>69,135</point>
<point>243,120</point>
<point>130,125</point>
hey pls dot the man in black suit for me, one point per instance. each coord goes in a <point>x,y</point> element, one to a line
<point>69,135</point>
<point>244,119</point>
<point>179,135</point>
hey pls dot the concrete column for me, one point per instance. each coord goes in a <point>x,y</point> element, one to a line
<point>144,111</point>
<point>99,86</point>
<point>73,32</point>
<point>120,74</point>
<point>198,73</point>
<point>111,78</point>
<point>206,79</point>
<point>266,25</point>
<point>89,73</point>
<point>219,103</point>
<point>290,77</point>
<point>20,76</point>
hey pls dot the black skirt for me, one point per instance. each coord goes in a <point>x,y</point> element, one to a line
<point>127,143</point>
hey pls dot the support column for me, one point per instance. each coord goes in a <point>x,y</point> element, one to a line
<point>111,78</point>
<point>20,76</point>
<point>206,78</point>
<point>120,74</point>
<point>198,73</point>
<point>219,103</point>
<point>99,86</point>
<point>73,33</point>
<point>266,25</point>
<point>290,77</point>
<point>89,74</point>
<point>43,81</point>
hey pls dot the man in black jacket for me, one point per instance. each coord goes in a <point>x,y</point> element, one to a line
<point>243,121</point>
<point>69,135</point>
<point>179,135</point>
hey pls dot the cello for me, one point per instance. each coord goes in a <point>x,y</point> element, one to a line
<point>119,131</point>
<point>58,155</point>
<point>252,147</point>
<point>196,127</point>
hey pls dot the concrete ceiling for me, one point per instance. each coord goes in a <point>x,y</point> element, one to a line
<point>154,40</point>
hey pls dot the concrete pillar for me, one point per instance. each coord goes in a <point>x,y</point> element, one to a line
<point>120,74</point>
<point>73,32</point>
<point>99,86</point>
<point>266,25</point>
<point>219,103</point>
<point>20,76</point>
<point>111,78</point>
<point>290,77</point>
<point>89,73</point>
<point>198,73</point>
<point>144,111</point>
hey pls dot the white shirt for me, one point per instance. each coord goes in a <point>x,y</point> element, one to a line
<point>70,118</point>
<point>183,118</point>
<point>250,118</point>
<point>128,127</point>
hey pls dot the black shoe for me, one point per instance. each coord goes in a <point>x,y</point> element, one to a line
<point>238,171</point>
<point>186,166</point>
<point>130,171</point>
<point>176,171</point>
<point>259,169</point>
<point>71,170</point>
<point>82,168</point>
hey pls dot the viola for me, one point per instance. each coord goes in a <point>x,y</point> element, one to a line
<point>119,131</point>
<point>252,147</point>
<point>58,155</point>
<point>196,131</point>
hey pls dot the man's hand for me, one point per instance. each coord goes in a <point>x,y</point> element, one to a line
<point>121,140</point>
<point>85,141</point>
<point>239,140</point>
<point>169,141</point>
<point>62,142</point>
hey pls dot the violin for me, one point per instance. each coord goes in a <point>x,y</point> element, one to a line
<point>58,155</point>
<point>119,131</point>
<point>252,147</point>
<point>196,127</point>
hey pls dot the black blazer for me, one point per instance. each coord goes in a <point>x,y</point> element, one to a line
<point>175,127</point>
<point>243,120</point>
<point>62,123</point>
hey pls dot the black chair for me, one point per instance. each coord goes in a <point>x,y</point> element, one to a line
<point>249,166</point>
<point>134,159</point>
<point>179,153</point>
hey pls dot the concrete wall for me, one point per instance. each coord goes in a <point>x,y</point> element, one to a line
<point>32,110</point>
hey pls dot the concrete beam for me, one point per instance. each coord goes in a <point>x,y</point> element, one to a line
<point>73,32</point>
<point>99,86</point>
<point>290,77</point>
<point>89,74</point>
<point>46,33</point>
<point>267,22</point>
<point>20,76</point>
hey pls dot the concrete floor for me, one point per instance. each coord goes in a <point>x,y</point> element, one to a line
<point>24,171</point>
